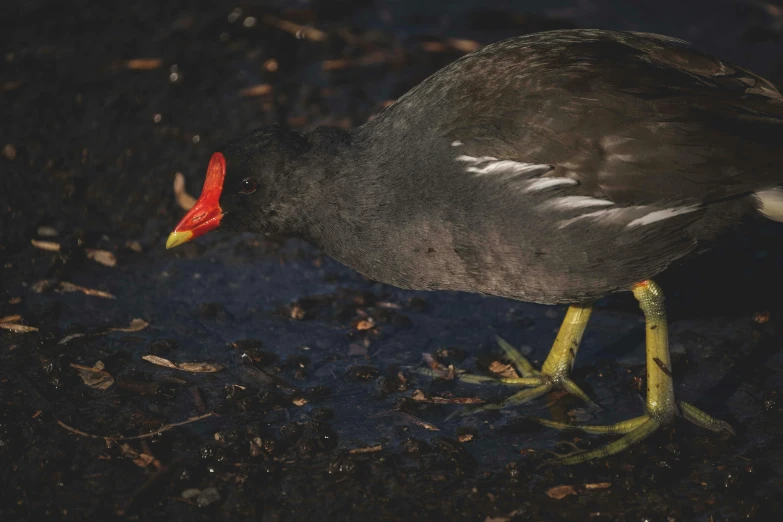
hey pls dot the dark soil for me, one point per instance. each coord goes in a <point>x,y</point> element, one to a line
<point>312,415</point>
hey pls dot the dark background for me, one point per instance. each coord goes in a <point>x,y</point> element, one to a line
<point>91,141</point>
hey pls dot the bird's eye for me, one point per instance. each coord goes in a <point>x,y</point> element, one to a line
<point>248,186</point>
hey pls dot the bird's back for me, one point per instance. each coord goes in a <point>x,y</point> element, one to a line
<point>562,166</point>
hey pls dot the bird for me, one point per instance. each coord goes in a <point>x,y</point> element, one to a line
<point>555,168</point>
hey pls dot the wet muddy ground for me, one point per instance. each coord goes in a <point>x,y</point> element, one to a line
<point>293,394</point>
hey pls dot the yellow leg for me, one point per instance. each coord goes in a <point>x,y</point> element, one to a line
<point>661,405</point>
<point>555,372</point>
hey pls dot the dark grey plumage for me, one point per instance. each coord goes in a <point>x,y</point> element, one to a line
<point>556,168</point>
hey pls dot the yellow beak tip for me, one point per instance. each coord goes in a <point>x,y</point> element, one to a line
<point>177,238</point>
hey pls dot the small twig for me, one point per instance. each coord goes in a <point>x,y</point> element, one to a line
<point>165,427</point>
<point>369,449</point>
<point>417,421</point>
<point>300,31</point>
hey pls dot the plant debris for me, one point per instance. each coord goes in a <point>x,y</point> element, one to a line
<point>369,449</point>
<point>65,287</point>
<point>144,64</point>
<point>503,370</point>
<point>49,246</point>
<point>561,492</point>
<point>10,323</point>
<point>418,395</point>
<point>300,31</point>
<point>184,200</point>
<point>192,367</point>
<point>136,325</point>
<point>437,368</point>
<point>261,89</point>
<point>95,376</point>
<point>165,427</point>
<point>103,257</point>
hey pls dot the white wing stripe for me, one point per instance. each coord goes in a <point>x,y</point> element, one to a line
<point>659,215</point>
<point>545,183</point>
<point>572,202</point>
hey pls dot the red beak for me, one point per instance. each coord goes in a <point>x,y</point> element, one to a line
<point>206,213</point>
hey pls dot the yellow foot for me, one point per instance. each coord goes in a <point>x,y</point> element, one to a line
<point>633,430</point>
<point>537,381</point>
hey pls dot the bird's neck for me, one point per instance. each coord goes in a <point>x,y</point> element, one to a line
<point>344,192</point>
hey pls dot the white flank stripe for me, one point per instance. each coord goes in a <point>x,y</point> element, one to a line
<point>545,183</point>
<point>660,215</point>
<point>598,214</point>
<point>474,160</point>
<point>456,143</point>
<point>509,167</point>
<point>570,202</point>
<point>771,203</point>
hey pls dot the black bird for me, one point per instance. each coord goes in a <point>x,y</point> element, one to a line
<point>557,167</point>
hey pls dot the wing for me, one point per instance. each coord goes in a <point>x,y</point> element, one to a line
<point>635,118</point>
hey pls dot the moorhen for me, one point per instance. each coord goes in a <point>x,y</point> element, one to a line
<point>556,167</point>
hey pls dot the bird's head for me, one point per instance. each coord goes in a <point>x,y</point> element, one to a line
<point>253,184</point>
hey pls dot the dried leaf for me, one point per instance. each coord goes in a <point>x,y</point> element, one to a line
<point>184,200</point>
<point>160,361</point>
<point>42,286</point>
<point>253,91</point>
<point>18,328</point>
<point>437,368</point>
<point>297,313</point>
<point>49,246</point>
<point>419,422</point>
<point>465,437</point>
<point>367,59</point>
<point>300,31</point>
<point>103,257</point>
<point>370,449</point>
<point>46,231</point>
<point>199,367</point>
<point>418,395</point>
<point>503,370</point>
<point>9,323</point>
<point>335,65</point>
<point>560,492</point>
<point>144,64</point>
<point>466,46</point>
<point>9,151</point>
<point>299,401</point>
<point>70,287</point>
<point>94,377</point>
<point>365,324</point>
<point>761,317</point>
<point>434,47</point>
<point>70,338</point>
<point>136,325</point>
<point>144,460</point>
<point>193,367</point>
